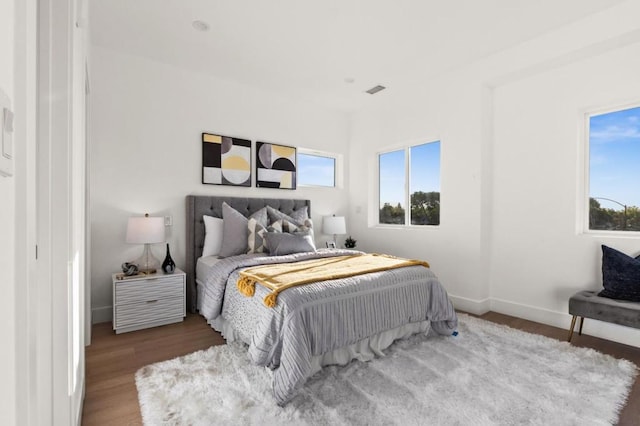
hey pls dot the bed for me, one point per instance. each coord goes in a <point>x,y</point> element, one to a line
<point>331,321</point>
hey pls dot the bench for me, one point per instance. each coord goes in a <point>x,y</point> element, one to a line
<point>587,304</point>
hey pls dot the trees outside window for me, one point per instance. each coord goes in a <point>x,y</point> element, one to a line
<point>410,177</point>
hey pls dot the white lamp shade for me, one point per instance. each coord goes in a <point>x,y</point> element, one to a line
<point>145,230</point>
<point>334,225</point>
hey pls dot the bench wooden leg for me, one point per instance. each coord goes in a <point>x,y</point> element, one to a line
<point>580,329</point>
<point>573,324</point>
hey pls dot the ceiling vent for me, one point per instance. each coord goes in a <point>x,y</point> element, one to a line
<point>375,89</point>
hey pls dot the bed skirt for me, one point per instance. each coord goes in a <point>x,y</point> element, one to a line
<point>364,350</point>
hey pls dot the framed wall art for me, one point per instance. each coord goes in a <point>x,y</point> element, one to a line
<point>275,166</point>
<point>226,160</point>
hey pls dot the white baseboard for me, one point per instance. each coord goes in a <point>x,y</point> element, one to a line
<point>476,307</point>
<point>101,314</point>
<point>617,333</point>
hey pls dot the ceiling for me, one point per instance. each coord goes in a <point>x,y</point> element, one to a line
<point>307,49</point>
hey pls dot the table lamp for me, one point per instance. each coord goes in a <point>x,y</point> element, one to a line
<point>146,230</point>
<point>334,225</point>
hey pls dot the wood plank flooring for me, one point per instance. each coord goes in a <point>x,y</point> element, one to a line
<point>111,397</point>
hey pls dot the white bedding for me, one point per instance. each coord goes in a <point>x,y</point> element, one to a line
<point>203,266</point>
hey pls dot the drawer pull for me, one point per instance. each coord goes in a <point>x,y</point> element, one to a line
<point>152,301</point>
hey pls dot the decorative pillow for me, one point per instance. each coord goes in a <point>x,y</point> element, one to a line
<point>256,241</point>
<point>306,232</point>
<point>283,243</point>
<point>297,216</point>
<point>213,235</point>
<point>307,226</point>
<point>620,275</point>
<point>235,234</point>
<point>282,225</point>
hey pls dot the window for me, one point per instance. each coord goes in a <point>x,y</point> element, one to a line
<point>410,177</point>
<point>614,170</point>
<point>317,169</point>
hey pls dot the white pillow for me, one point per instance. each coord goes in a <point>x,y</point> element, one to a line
<point>213,236</point>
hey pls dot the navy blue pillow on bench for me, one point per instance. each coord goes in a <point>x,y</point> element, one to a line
<point>620,275</point>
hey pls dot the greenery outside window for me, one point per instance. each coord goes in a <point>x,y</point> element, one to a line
<point>614,170</point>
<point>410,177</point>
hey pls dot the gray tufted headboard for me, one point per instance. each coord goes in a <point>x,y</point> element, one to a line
<point>199,205</point>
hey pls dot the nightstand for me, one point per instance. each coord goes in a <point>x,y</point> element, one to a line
<point>148,300</point>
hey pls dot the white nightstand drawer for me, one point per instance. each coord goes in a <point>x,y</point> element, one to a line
<point>149,289</point>
<point>148,301</point>
<point>148,312</point>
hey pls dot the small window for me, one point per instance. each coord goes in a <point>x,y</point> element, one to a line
<point>316,169</point>
<point>392,187</point>
<point>614,170</point>
<point>410,177</point>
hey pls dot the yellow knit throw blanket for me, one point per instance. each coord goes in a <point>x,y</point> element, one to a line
<point>281,276</point>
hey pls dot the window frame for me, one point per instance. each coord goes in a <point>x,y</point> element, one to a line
<point>406,147</point>
<point>584,186</point>
<point>338,179</point>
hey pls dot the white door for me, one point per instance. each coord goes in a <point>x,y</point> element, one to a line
<point>60,209</point>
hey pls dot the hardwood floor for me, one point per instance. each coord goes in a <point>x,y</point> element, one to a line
<point>111,397</point>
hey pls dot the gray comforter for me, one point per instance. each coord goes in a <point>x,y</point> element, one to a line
<point>317,318</point>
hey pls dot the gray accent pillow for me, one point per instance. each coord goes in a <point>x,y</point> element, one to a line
<point>235,231</point>
<point>297,216</point>
<point>283,243</point>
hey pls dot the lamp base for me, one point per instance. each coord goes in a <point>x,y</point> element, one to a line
<point>147,263</point>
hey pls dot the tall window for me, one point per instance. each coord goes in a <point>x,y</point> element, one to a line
<point>614,170</point>
<point>409,182</point>
<point>317,169</point>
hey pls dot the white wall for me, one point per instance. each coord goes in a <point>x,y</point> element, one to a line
<point>430,112</point>
<point>146,125</point>
<point>7,236</point>
<point>539,259</point>
<point>509,127</point>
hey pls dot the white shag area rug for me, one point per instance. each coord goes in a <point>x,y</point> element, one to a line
<point>487,375</point>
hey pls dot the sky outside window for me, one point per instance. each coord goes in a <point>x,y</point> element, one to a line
<point>425,168</point>
<point>316,170</point>
<point>614,157</point>
<point>392,174</point>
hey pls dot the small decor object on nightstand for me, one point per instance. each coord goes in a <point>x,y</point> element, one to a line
<point>168,266</point>
<point>331,244</point>
<point>129,269</point>
<point>350,242</point>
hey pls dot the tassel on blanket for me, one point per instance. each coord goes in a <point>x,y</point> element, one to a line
<point>247,286</point>
<point>271,299</point>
